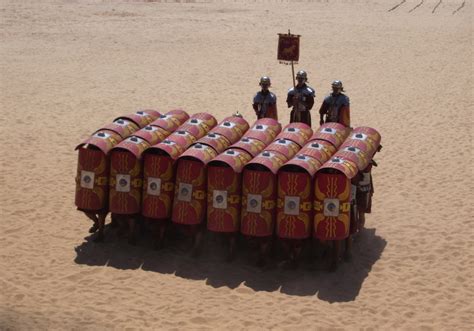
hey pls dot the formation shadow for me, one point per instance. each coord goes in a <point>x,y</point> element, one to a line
<point>309,279</point>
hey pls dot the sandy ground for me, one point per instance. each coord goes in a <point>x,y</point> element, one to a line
<point>68,67</point>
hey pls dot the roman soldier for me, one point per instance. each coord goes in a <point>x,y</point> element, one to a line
<point>301,98</point>
<point>336,106</point>
<point>264,102</point>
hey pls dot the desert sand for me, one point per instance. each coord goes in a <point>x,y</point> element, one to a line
<point>69,67</point>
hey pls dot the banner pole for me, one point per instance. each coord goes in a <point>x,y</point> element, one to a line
<point>292,67</point>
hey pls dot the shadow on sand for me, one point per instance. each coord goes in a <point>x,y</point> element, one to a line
<point>311,277</point>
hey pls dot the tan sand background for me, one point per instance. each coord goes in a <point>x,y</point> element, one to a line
<point>68,67</point>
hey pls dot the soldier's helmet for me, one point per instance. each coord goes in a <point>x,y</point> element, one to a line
<point>302,75</point>
<point>337,84</point>
<point>265,80</point>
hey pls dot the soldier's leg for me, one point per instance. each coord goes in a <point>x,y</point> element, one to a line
<point>94,218</point>
<point>101,225</point>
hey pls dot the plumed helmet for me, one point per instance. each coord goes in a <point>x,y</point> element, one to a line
<point>302,74</point>
<point>337,84</point>
<point>265,80</point>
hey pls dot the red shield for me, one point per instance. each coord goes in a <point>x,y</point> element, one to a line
<point>232,128</point>
<point>265,130</point>
<point>182,138</point>
<point>250,145</point>
<point>92,177</point>
<point>122,127</point>
<point>141,117</point>
<point>295,202</point>
<point>365,138</point>
<point>284,146</point>
<point>355,155</point>
<point>288,47</point>
<point>259,194</point>
<point>158,179</point>
<point>158,184</point>
<point>216,141</point>
<point>126,176</point>
<point>296,132</point>
<point>224,187</point>
<point>171,120</point>
<point>321,150</point>
<point>199,124</point>
<point>258,203</point>
<point>152,134</point>
<point>189,204</point>
<point>332,203</point>
<point>334,133</point>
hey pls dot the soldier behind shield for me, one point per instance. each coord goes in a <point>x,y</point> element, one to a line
<point>264,102</point>
<point>336,106</point>
<point>301,98</point>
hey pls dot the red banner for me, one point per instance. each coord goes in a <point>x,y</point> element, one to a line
<point>288,47</point>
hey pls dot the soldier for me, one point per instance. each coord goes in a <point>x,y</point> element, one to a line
<point>336,106</point>
<point>264,102</point>
<point>301,98</point>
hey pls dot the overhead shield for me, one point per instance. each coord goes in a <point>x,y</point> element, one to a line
<point>216,141</point>
<point>233,128</point>
<point>321,150</point>
<point>122,127</point>
<point>182,138</point>
<point>333,132</point>
<point>365,138</point>
<point>92,179</point>
<point>224,188</point>
<point>126,176</point>
<point>171,120</point>
<point>158,179</point>
<point>152,134</point>
<point>250,145</point>
<point>264,129</point>
<point>284,146</point>
<point>355,155</point>
<point>189,204</point>
<point>199,124</point>
<point>141,117</point>
<point>259,194</point>
<point>296,132</point>
<point>332,199</point>
<point>295,197</point>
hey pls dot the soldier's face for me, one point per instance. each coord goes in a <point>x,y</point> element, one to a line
<point>336,90</point>
<point>265,86</point>
<point>300,80</point>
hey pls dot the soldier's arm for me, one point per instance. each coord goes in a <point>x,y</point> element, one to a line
<point>309,102</point>
<point>323,111</point>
